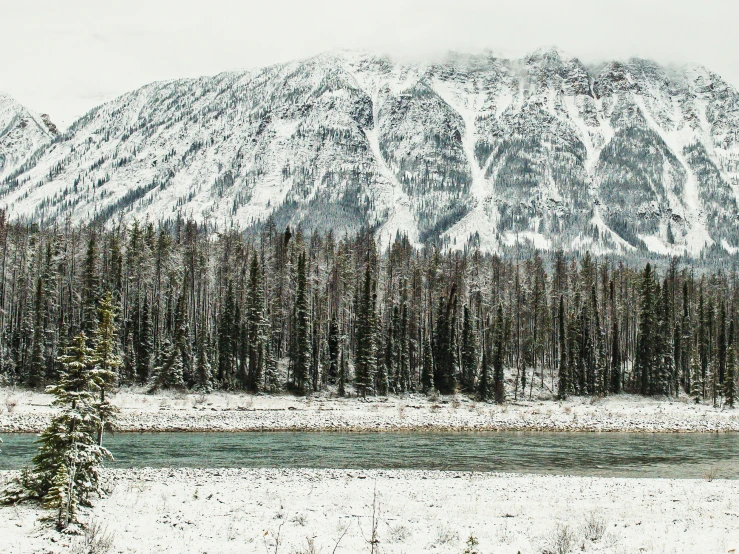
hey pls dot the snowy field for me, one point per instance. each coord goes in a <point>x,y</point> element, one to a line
<point>29,411</point>
<point>330,511</point>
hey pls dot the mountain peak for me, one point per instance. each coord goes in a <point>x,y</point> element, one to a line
<point>469,149</point>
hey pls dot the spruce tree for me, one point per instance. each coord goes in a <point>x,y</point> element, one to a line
<point>145,346</point>
<point>665,366</point>
<point>333,351</point>
<point>722,351</point>
<point>646,340</point>
<point>107,360</point>
<point>387,368</point>
<point>271,378</point>
<point>445,349</point>
<point>90,283</point>
<point>257,326</point>
<point>730,377</point>
<point>427,368</point>
<point>37,369</point>
<point>483,384</point>
<point>616,374</point>
<point>170,374</point>
<point>499,357</point>
<point>696,379</point>
<point>365,365</point>
<point>404,359</point>
<point>302,354</point>
<point>563,385</point>
<point>469,350</point>
<point>203,370</point>
<point>226,345</point>
<point>65,471</point>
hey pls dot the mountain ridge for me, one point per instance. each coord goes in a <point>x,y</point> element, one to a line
<point>472,150</point>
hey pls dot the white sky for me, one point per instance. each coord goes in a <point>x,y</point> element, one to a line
<point>63,57</point>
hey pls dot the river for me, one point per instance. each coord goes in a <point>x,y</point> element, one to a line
<point>590,454</point>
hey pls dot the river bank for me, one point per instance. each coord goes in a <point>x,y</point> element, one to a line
<point>27,411</point>
<point>236,510</point>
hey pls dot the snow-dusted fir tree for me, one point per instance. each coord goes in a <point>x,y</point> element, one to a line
<point>366,363</point>
<point>499,357</point>
<point>271,377</point>
<point>730,376</point>
<point>169,375</point>
<point>107,360</point>
<point>257,325</point>
<point>563,382</point>
<point>469,349</point>
<point>483,383</point>
<point>65,471</point>
<point>302,354</point>
<point>203,370</point>
<point>427,367</point>
<point>696,379</point>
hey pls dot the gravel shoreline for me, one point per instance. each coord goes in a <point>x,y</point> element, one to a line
<point>222,412</point>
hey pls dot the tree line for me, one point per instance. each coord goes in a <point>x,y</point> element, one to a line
<point>278,310</point>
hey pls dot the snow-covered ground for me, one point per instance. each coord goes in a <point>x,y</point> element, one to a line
<point>221,511</point>
<point>25,411</point>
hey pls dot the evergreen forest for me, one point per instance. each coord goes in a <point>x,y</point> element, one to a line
<point>278,310</point>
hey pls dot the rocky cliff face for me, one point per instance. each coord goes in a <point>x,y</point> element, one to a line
<point>22,133</point>
<point>543,149</point>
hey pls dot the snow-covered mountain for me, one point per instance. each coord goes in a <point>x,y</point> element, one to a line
<point>544,149</point>
<point>22,133</point>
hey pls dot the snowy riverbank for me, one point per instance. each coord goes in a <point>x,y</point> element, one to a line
<point>195,511</point>
<point>25,411</point>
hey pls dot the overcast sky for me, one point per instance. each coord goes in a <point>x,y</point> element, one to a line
<point>65,57</point>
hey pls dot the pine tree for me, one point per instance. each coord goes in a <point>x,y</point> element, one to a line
<point>145,345</point>
<point>563,363</point>
<point>203,370</point>
<point>257,326</point>
<point>469,350</point>
<point>333,351</point>
<point>302,355</point>
<point>388,366</point>
<point>107,360</point>
<point>343,376</point>
<point>665,357</point>
<point>483,384</point>
<point>730,377</point>
<point>66,469</point>
<point>499,358</point>
<point>37,369</point>
<point>90,283</point>
<point>404,361</point>
<point>61,497</point>
<point>445,351</point>
<point>271,379</point>
<point>170,374</point>
<point>427,368</point>
<point>365,365</point>
<point>646,341</point>
<point>225,339</point>
<point>722,352</point>
<point>696,381</point>
<point>615,387</point>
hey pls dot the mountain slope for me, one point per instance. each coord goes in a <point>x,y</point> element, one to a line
<point>22,133</point>
<point>544,149</point>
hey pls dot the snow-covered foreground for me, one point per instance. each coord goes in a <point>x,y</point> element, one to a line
<point>221,511</point>
<point>25,411</point>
